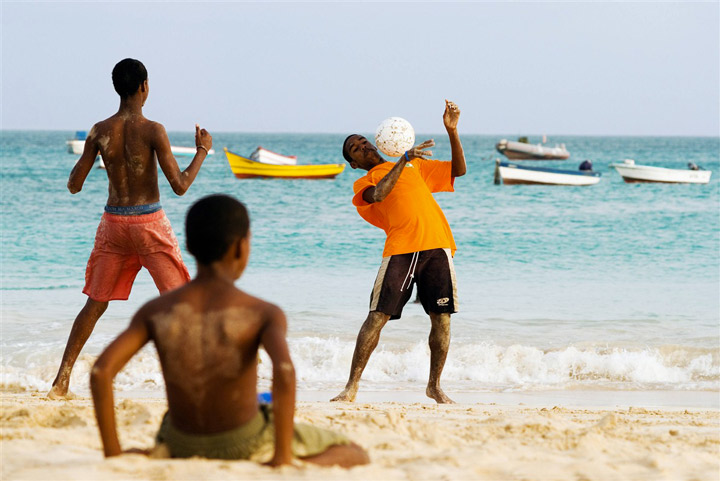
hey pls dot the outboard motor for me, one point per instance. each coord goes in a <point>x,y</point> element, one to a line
<point>586,165</point>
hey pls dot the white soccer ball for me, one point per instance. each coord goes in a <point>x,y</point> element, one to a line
<point>394,136</point>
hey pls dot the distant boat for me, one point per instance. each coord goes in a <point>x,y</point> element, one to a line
<point>524,151</point>
<point>511,173</point>
<point>269,157</point>
<point>187,151</point>
<point>77,145</point>
<point>245,168</point>
<point>631,173</point>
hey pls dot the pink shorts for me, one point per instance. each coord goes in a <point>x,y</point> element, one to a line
<point>124,244</point>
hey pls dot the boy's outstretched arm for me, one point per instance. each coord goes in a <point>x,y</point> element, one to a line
<point>110,362</point>
<point>283,386</point>
<point>450,119</point>
<point>83,166</point>
<point>180,181</point>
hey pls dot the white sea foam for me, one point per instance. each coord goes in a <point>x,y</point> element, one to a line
<point>324,364</point>
<point>489,366</point>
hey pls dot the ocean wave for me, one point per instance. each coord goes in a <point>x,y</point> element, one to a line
<point>487,365</point>
<point>323,363</point>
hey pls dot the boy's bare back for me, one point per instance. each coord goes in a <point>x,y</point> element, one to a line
<point>127,143</point>
<point>207,337</point>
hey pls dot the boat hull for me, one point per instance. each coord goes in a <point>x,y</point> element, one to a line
<point>267,176</point>
<point>77,146</point>
<point>648,174</point>
<point>244,168</point>
<point>513,174</point>
<point>522,151</point>
<point>187,151</point>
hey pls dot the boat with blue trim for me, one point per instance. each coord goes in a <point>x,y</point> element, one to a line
<point>511,173</point>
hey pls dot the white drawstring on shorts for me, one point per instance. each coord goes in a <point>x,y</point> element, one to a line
<point>411,270</point>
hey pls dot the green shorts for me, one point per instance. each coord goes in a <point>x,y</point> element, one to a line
<point>255,440</point>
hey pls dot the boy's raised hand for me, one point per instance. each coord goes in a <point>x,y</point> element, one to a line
<point>203,137</point>
<point>419,152</point>
<point>451,115</point>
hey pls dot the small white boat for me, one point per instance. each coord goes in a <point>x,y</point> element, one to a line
<point>269,157</point>
<point>524,151</point>
<point>511,173</point>
<point>187,151</point>
<point>76,146</point>
<point>631,173</point>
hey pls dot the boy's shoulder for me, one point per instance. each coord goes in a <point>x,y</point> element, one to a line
<point>157,127</point>
<point>268,310</point>
<point>266,314</point>
<point>105,126</point>
<point>231,298</point>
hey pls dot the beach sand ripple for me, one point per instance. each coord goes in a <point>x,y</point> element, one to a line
<point>45,439</point>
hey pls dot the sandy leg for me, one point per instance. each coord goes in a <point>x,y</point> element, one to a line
<point>367,341</point>
<point>439,341</point>
<point>79,334</point>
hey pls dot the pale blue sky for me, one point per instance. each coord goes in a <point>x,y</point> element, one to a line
<point>514,68</point>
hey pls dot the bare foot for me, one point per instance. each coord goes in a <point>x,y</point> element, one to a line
<point>348,395</point>
<point>160,451</point>
<point>345,456</point>
<point>141,451</point>
<point>438,395</point>
<point>58,392</point>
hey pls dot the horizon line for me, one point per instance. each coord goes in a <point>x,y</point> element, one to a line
<point>421,133</point>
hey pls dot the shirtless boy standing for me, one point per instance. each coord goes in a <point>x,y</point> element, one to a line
<point>207,334</point>
<point>134,231</point>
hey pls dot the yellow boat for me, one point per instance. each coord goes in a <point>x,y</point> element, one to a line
<point>244,168</point>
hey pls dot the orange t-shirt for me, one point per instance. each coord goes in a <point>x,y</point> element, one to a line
<point>409,215</point>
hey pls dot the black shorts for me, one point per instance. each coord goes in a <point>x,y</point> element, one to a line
<point>433,272</point>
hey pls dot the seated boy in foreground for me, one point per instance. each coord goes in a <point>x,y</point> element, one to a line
<point>207,334</point>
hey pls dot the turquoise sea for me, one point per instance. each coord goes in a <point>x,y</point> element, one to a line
<point>610,287</point>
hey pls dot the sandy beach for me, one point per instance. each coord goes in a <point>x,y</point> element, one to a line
<point>43,439</point>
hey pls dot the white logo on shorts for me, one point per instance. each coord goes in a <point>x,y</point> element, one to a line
<point>443,301</point>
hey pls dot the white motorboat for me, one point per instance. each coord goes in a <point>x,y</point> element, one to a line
<point>524,151</point>
<point>76,146</point>
<point>632,172</point>
<point>269,157</point>
<point>187,151</point>
<point>511,173</point>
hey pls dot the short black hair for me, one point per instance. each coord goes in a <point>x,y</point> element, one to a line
<point>212,224</point>
<point>127,76</point>
<point>345,152</point>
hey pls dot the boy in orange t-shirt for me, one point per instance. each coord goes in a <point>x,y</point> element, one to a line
<point>398,199</point>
